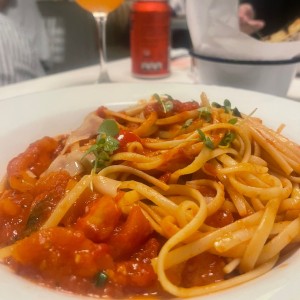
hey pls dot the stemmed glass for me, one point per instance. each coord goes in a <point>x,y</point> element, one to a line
<point>100,10</point>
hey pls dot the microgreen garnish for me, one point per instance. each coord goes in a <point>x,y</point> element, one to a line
<point>165,101</point>
<point>233,121</point>
<point>168,96</point>
<point>100,279</point>
<point>227,140</point>
<point>227,108</point>
<point>187,123</point>
<point>236,113</point>
<point>105,143</point>
<point>109,127</point>
<point>206,140</point>
<point>205,113</point>
<point>216,105</point>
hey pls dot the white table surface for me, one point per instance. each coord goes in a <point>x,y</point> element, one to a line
<point>120,71</point>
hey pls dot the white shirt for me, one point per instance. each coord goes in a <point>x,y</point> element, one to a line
<point>17,60</point>
<point>26,15</point>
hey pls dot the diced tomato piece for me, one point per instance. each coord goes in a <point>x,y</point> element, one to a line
<point>220,219</point>
<point>165,177</point>
<point>55,183</point>
<point>101,220</point>
<point>154,107</point>
<point>131,235</point>
<point>80,207</point>
<point>148,251</point>
<point>203,269</point>
<point>58,253</point>
<point>125,137</point>
<point>133,274</point>
<point>48,191</point>
<point>101,111</point>
<point>36,159</point>
<point>14,212</point>
<point>179,106</point>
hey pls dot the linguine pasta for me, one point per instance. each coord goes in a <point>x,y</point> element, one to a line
<point>164,198</point>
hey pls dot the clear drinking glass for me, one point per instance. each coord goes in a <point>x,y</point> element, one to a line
<point>100,10</point>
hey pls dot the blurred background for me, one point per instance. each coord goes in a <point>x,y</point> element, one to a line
<point>72,33</point>
<point>64,35</point>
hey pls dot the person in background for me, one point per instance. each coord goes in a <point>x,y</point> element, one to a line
<point>265,17</point>
<point>26,14</point>
<point>17,60</point>
<point>248,23</point>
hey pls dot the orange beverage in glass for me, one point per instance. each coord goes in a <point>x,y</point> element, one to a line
<point>100,10</point>
<point>100,5</point>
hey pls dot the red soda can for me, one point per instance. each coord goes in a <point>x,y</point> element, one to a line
<point>150,38</point>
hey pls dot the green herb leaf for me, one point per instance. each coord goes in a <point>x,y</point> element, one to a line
<point>227,106</point>
<point>109,127</point>
<point>169,96</point>
<point>101,279</point>
<point>227,140</point>
<point>111,144</point>
<point>233,121</point>
<point>205,113</point>
<point>216,105</point>
<point>236,113</point>
<point>202,134</point>
<point>166,103</point>
<point>228,109</point>
<point>206,140</point>
<point>209,143</point>
<point>105,144</point>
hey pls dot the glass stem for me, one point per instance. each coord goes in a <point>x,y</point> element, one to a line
<point>101,19</point>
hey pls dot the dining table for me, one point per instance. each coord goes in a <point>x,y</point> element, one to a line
<point>181,71</point>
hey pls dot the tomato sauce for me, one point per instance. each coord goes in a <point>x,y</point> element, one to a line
<point>36,159</point>
<point>126,137</point>
<point>203,269</point>
<point>95,249</point>
<point>177,107</point>
<point>14,213</point>
<point>220,219</point>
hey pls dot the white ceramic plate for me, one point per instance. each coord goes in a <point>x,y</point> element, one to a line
<point>27,118</point>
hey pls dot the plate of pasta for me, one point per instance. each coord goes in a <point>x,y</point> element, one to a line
<point>149,191</point>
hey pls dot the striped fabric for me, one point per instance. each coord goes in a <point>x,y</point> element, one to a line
<point>17,60</point>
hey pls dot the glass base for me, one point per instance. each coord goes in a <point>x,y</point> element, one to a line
<point>103,78</point>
